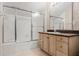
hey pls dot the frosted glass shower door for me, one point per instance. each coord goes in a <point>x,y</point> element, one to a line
<point>23,26</point>
<point>36,31</point>
<point>37,21</point>
<point>9,28</point>
<point>37,26</point>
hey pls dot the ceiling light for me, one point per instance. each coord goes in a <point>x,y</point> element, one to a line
<point>53,3</point>
<point>36,14</point>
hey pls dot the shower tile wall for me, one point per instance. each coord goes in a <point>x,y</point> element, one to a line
<point>23,29</point>
<point>9,28</point>
<point>37,26</point>
<point>20,31</point>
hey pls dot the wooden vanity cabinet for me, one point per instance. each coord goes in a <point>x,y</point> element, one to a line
<point>56,45</point>
<point>47,43</point>
<point>40,40</point>
<point>44,42</point>
<point>52,45</point>
<point>62,45</point>
<point>67,46</point>
<point>73,46</point>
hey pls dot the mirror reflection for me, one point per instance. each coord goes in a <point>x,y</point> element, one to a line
<point>60,15</point>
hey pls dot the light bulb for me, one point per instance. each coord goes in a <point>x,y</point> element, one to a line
<point>36,14</point>
<point>53,3</point>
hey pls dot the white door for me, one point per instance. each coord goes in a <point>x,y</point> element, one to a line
<point>23,26</point>
<point>9,28</point>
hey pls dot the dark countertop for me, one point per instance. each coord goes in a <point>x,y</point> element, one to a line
<point>65,31</point>
<point>60,34</point>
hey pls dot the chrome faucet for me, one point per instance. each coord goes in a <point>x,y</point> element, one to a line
<point>54,29</point>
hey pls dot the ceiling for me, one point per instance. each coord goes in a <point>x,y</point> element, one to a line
<point>55,10</point>
<point>30,6</point>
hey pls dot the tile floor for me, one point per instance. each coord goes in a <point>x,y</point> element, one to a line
<point>33,52</point>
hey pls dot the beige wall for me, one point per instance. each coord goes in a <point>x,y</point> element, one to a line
<point>46,18</point>
<point>68,17</point>
<point>1,10</point>
<point>76,16</point>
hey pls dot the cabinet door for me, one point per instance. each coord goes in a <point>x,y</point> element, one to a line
<point>41,40</point>
<point>45,43</point>
<point>23,28</point>
<point>52,43</point>
<point>62,46</point>
<point>9,28</point>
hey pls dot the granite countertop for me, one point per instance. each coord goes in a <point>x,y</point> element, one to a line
<point>60,34</point>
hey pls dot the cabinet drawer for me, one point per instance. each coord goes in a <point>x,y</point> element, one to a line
<point>62,47</point>
<point>58,53</point>
<point>40,41</point>
<point>44,36</point>
<point>45,42</point>
<point>41,36</point>
<point>52,44</point>
<point>63,39</point>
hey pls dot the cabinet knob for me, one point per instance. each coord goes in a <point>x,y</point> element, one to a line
<point>61,46</point>
<point>47,37</point>
<point>61,39</point>
<point>41,40</point>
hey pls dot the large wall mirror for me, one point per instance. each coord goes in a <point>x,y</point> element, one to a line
<point>56,22</point>
<point>60,15</point>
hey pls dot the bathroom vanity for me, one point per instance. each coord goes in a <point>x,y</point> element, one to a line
<point>59,44</point>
